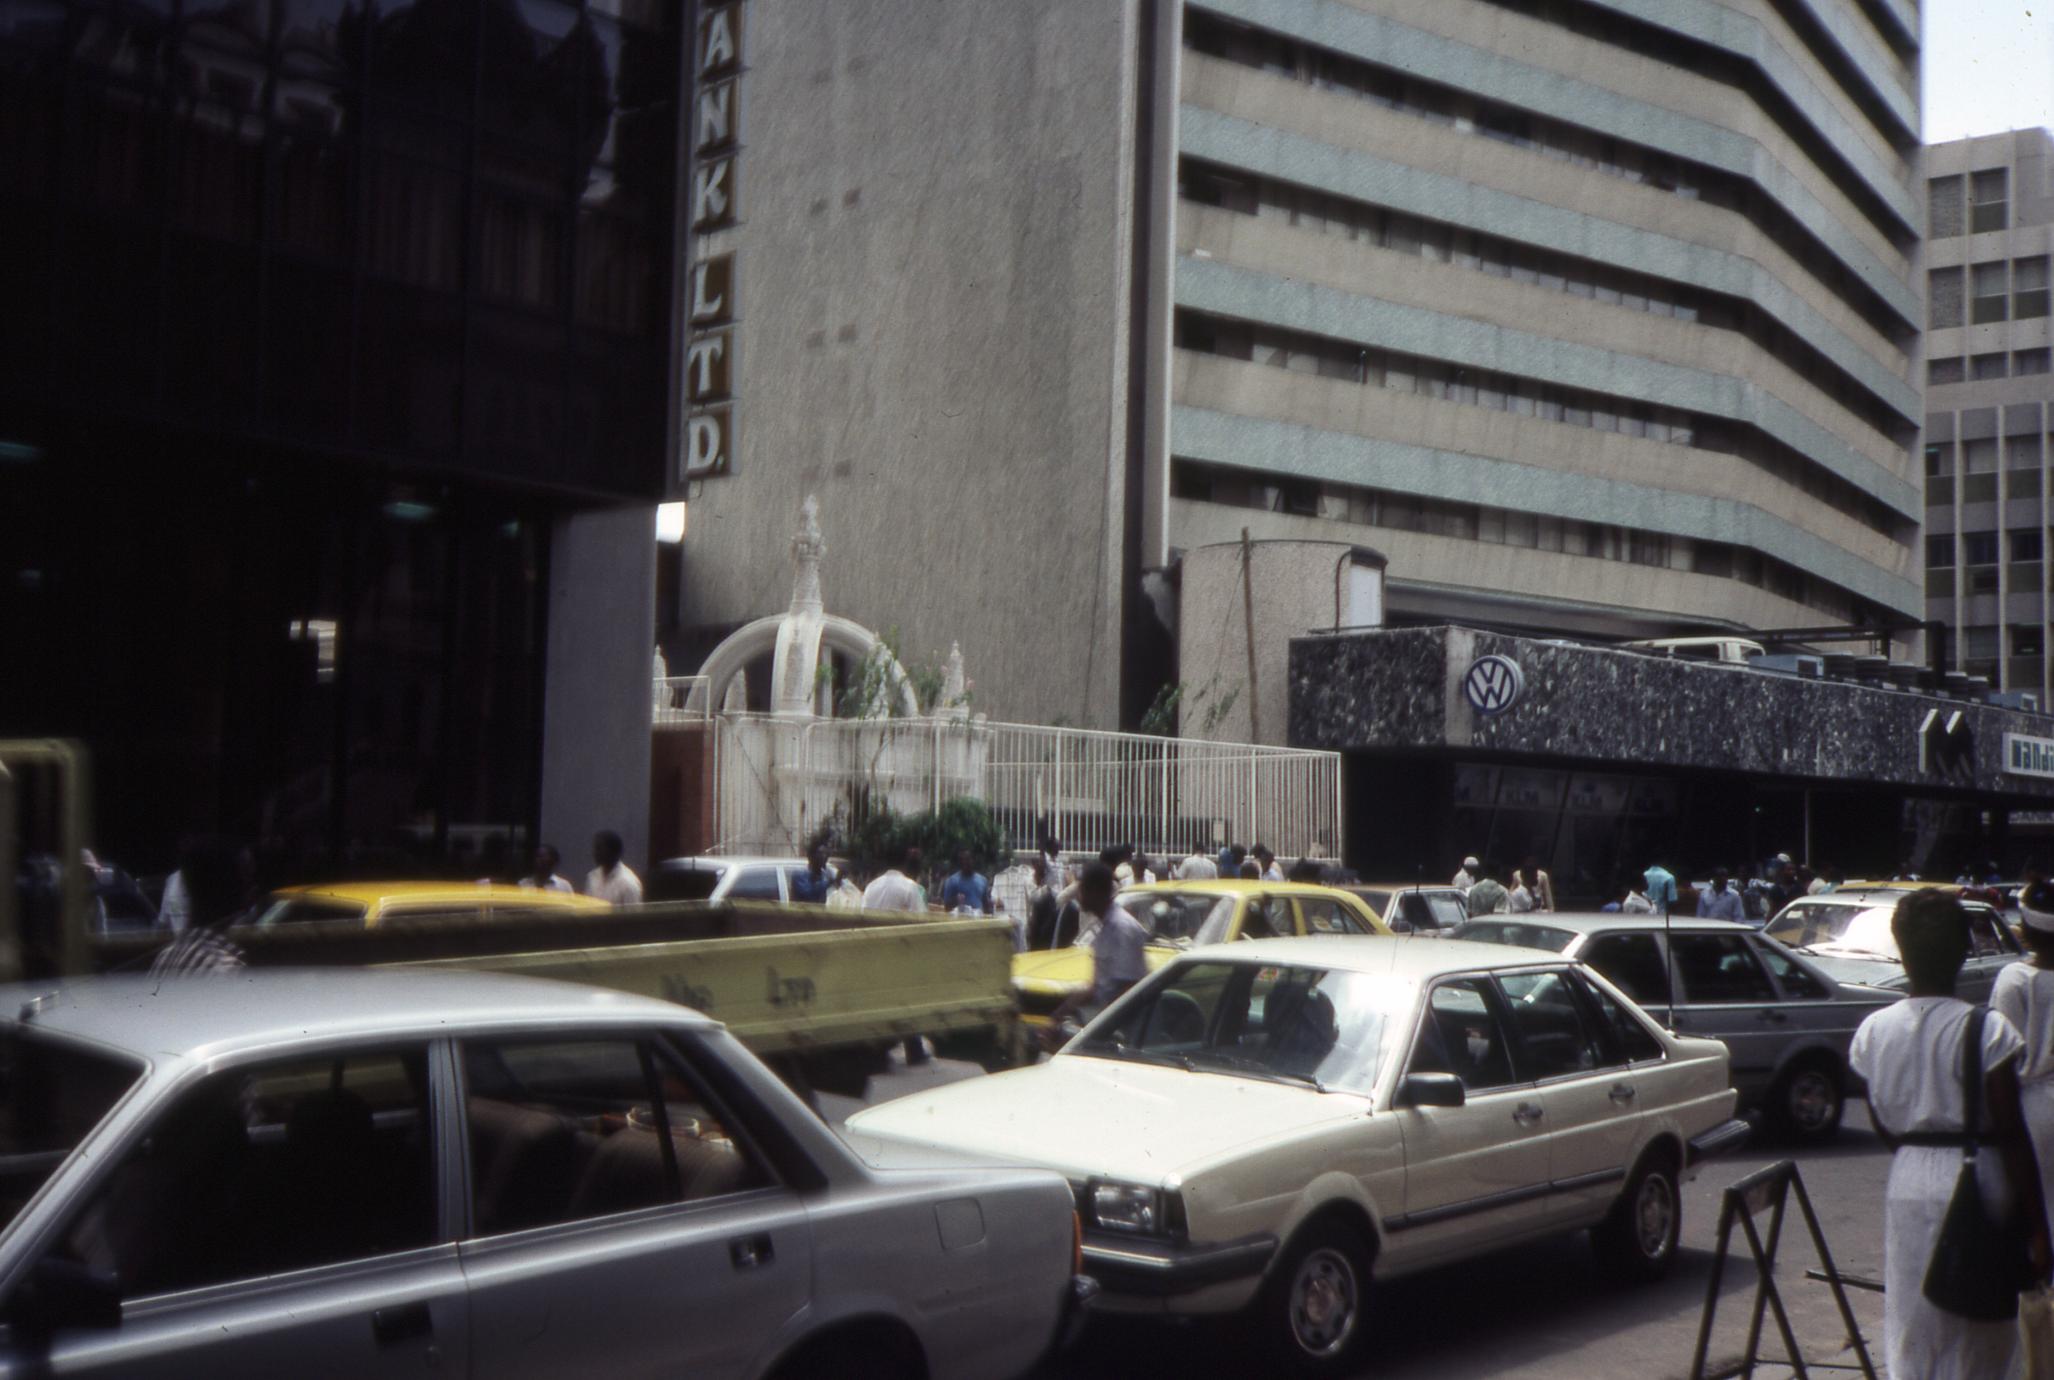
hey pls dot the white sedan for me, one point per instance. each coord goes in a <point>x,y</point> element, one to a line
<point>362,1173</point>
<point>1281,1123</point>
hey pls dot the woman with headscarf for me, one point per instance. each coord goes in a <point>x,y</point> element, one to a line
<point>1911,1054</point>
<point>2024,996</point>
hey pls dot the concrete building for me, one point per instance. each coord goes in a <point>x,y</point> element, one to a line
<point>1590,315</point>
<point>1989,387</point>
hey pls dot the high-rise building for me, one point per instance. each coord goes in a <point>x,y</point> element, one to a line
<point>1590,315</point>
<point>1990,385</point>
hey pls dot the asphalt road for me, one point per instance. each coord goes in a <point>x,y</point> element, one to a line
<point>1542,1311</point>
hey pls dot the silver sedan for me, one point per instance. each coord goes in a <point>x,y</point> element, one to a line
<point>381,1174</point>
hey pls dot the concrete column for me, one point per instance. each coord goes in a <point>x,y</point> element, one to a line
<point>595,703</point>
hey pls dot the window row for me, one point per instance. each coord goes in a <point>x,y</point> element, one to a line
<point>2020,451</point>
<point>1309,354</point>
<point>1574,145</point>
<point>1988,205</point>
<point>1981,548</point>
<point>1498,257</point>
<point>1995,365</point>
<point>1366,507</point>
<point>1984,642</point>
<point>1987,292</point>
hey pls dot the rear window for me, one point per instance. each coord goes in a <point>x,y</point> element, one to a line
<point>695,884</point>
<point>51,1094</point>
<point>1510,932</point>
<point>296,910</point>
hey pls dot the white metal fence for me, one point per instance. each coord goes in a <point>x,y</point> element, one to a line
<point>680,700</point>
<point>779,780</point>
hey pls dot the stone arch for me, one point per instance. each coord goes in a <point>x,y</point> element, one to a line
<point>758,638</point>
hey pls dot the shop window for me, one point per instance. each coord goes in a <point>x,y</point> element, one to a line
<point>2029,287</point>
<point>1945,209</point>
<point>1987,285</point>
<point>1989,200</point>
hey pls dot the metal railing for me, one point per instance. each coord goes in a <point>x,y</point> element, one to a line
<point>680,700</point>
<point>778,781</point>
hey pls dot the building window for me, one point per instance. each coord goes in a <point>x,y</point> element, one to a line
<point>1980,457</point>
<point>1943,298</point>
<point>2038,361</point>
<point>1940,460</point>
<point>1989,201</point>
<point>2026,543</point>
<point>1983,368</point>
<point>1979,548</point>
<point>1979,644</point>
<point>1944,207</point>
<point>1944,371</point>
<point>2027,639</point>
<point>2029,287</point>
<point>1988,283</point>
<point>1939,552</point>
<point>2022,452</point>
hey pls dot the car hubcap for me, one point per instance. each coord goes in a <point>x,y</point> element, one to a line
<point>1323,1303</point>
<point>1811,1101</point>
<point>1654,1215</point>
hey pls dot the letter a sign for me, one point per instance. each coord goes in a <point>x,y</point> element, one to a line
<point>1493,685</point>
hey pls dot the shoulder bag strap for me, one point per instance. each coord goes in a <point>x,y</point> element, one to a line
<point>1972,1079</point>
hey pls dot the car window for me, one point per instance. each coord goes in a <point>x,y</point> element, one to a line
<point>1553,1040</point>
<point>1631,1040</point>
<point>1797,984</point>
<point>1448,911</point>
<point>1460,1033</point>
<point>1378,901</point>
<point>1718,968</point>
<point>683,884</point>
<point>295,910</point>
<point>1324,915</point>
<point>1180,917</point>
<point>755,884</point>
<point>259,1171</point>
<point>1415,911</point>
<point>1985,935</point>
<point>563,1130</point>
<point>1264,917</point>
<point>1633,962</point>
<point>52,1094</point>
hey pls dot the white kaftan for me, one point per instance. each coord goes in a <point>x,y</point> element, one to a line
<point>1910,1053</point>
<point>2024,995</point>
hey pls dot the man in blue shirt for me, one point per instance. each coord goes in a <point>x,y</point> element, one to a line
<point>813,885</point>
<point>1721,901</point>
<point>966,888</point>
<point>1661,888</point>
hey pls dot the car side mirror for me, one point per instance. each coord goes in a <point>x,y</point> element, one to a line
<point>1431,1090</point>
<point>58,1294</point>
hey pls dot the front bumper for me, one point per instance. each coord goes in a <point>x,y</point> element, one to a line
<point>1160,1269</point>
<point>1726,1136</point>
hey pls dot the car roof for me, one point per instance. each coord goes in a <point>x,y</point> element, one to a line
<point>1396,956</point>
<point>1601,921</point>
<point>373,894</point>
<point>1396,887</point>
<point>1868,897</point>
<point>217,1014</point>
<point>1237,886</point>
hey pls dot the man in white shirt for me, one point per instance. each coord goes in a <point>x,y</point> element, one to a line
<point>544,877</point>
<point>612,881</point>
<point>1118,944</point>
<point>1466,877</point>
<point>894,889</point>
<point>1270,871</point>
<point>1199,867</point>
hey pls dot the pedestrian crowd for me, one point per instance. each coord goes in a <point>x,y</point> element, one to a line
<point>1749,896</point>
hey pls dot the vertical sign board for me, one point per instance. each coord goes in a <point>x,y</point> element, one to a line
<point>709,363</point>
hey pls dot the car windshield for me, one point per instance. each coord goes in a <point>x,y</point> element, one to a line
<point>1182,918</point>
<point>1320,1027</point>
<point>1857,930</point>
<point>1512,932</point>
<point>51,1094</point>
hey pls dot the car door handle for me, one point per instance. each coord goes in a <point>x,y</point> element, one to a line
<point>404,1322</point>
<point>1771,1016</point>
<point>751,1252</point>
<point>1623,1092</point>
<point>1526,1113</point>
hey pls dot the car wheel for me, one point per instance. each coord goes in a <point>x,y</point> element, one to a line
<point>1637,1240</point>
<point>1313,1307</point>
<point>1807,1101</point>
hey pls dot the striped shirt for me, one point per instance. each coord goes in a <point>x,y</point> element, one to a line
<point>197,950</point>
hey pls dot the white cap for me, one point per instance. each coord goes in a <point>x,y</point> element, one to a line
<point>1471,861</point>
<point>1782,857</point>
<point>2034,919</point>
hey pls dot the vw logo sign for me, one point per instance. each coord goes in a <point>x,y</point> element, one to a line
<point>1493,685</point>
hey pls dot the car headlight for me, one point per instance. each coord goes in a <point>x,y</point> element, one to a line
<point>1128,1207</point>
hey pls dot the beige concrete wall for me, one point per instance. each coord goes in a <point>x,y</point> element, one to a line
<point>1289,588</point>
<point>936,208</point>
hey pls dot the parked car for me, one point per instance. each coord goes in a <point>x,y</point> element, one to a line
<point>1730,651</point>
<point>373,903</point>
<point>1786,1020</point>
<point>1848,935</point>
<point>722,879</point>
<point>365,1173</point>
<point>1280,1125</point>
<point>1184,915</point>
<point>1412,909</point>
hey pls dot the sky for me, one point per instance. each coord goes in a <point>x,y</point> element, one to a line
<point>1989,66</point>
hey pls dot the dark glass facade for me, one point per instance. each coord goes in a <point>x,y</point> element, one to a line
<point>313,315</point>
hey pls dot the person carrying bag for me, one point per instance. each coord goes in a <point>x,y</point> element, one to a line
<point>1979,1265</point>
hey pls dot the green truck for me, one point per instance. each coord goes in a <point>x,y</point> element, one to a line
<point>821,994</point>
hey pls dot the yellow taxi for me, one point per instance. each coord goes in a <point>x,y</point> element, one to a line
<point>372,903</point>
<point>1185,915</point>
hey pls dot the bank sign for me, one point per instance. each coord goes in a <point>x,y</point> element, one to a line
<point>2028,756</point>
<point>710,371</point>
